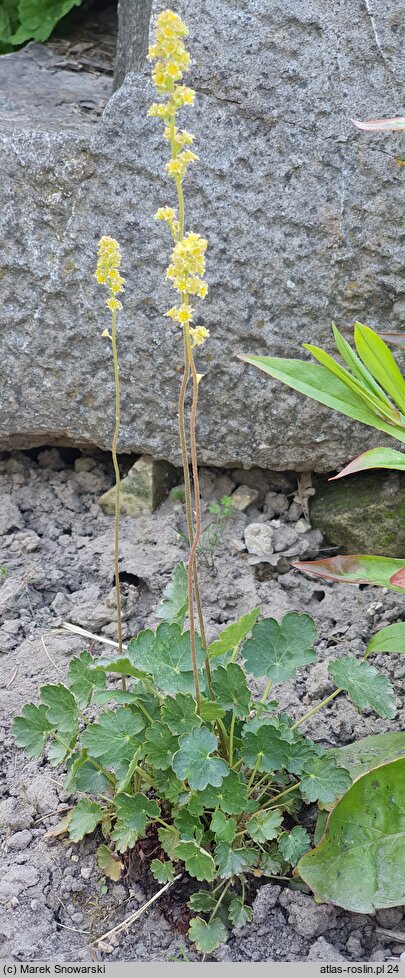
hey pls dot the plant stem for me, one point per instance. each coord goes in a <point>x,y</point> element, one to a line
<point>117,481</point>
<point>253,774</point>
<point>231,733</point>
<point>219,901</point>
<point>316,708</point>
<point>262,703</point>
<point>281,795</point>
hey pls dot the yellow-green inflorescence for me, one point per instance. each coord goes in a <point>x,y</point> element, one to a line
<point>107,271</point>
<point>187,267</point>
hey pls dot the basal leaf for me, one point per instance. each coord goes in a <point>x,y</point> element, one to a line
<point>210,711</point>
<point>358,369</point>
<point>122,667</point>
<point>388,639</point>
<point>84,677</point>
<point>223,828</point>
<point>378,358</point>
<point>231,690</point>
<point>279,650</point>
<point>169,840</point>
<point>292,845</point>
<point>133,814</point>
<point>207,936</point>
<point>109,864</point>
<point>83,819</point>
<point>61,705</point>
<point>239,913</point>
<point>233,634</point>
<point>358,569</point>
<point>162,871</point>
<point>174,605</point>
<point>375,458</point>
<point>267,749</point>
<point>323,780</point>
<point>166,655</point>
<point>31,730</point>
<point>197,861</point>
<point>113,739</point>
<point>167,785</point>
<point>360,863</point>
<point>203,900</point>
<point>234,862</point>
<point>39,17</point>
<point>84,776</point>
<point>264,826</point>
<point>231,796</point>
<point>179,714</point>
<point>381,407</point>
<point>160,745</point>
<point>188,826</point>
<point>370,752</point>
<point>193,761</point>
<point>365,685</point>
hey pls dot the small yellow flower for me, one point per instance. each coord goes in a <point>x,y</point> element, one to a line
<point>107,271</point>
<point>165,214</point>
<point>113,304</point>
<point>181,314</point>
<point>199,334</point>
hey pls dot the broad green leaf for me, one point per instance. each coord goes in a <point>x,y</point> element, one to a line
<point>279,650</point>
<point>193,761</point>
<point>319,383</point>
<point>211,711</point>
<point>83,819</point>
<point>359,569</point>
<point>234,862</point>
<point>239,913</point>
<point>231,690</point>
<point>207,936</point>
<point>231,636</point>
<point>167,785</point>
<point>266,749</point>
<point>375,458</point>
<point>356,366</point>
<point>272,864</point>
<point>223,828</point>
<point>84,677</point>
<point>378,358</point>
<point>197,861</point>
<point>84,776</point>
<point>264,826</point>
<point>360,863</point>
<point>300,751</point>
<point>370,752</point>
<point>292,845</point>
<point>160,745</point>
<point>188,826</point>
<point>203,900</point>
<point>231,796</point>
<point>321,824</point>
<point>166,655</point>
<point>122,696</point>
<point>62,707</point>
<point>380,406</point>
<point>123,667</point>
<point>162,871</point>
<point>39,17</point>
<point>127,773</point>
<point>133,814</point>
<point>364,684</point>
<point>179,713</point>
<point>381,125</point>
<point>174,605</point>
<point>61,747</point>
<point>169,840</point>
<point>109,864</point>
<point>113,739</point>
<point>388,639</point>
<point>31,730</point>
<point>323,780</point>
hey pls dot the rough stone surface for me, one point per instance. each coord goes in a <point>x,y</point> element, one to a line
<point>323,951</point>
<point>259,538</point>
<point>363,513</point>
<point>142,490</point>
<point>243,497</point>
<point>303,216</point>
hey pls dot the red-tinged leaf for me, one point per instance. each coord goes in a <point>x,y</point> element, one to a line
<point>396,339</point>
<point>381,125</point>
<point>375,458</point>
<point>357,569</point>
<point>398,579</point>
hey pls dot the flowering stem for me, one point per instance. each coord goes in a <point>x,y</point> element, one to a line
<point>117,480</point>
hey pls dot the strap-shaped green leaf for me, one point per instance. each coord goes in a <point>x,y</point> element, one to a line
<point>380,407</point>
<point>357,367</point>
<point>358,569</point>
<point>388,639</point>
<point>378,358</point>
<point>375,458</point>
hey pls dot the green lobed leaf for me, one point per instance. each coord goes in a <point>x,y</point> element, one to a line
<point>378,358</point>
<point>360,863</point>
<point>197,860</point>
<point>231,690</point>
<point>39,17</point>
<point>109,863</point>
<point>174,605</point>
<point>292,845</point>
<point>162,871</point>
<point>319,383</point>
<point>207,936</point>
<point>388,639</point>
<point>279,650</point>
<point>61,747</point>
<point>123,667</point>
<point>169,840</point>
<point>239,913</point>
<point>193,761</point>
<point>203,900</point>
<point>61,705</point>
<point>210,711</point>
<point>231,636</point>
<point>234,862</point>
<point>370,752</point>
<point>84,678</point>
<point>188,826</point>
<point>267,749</point>
<point>133,814</point>
<point>358,569</point>
<point>179,714</point>
<point>83,819</point>
<point>166,655</point>
<point>223,828</point>
<point>31,730</point>
<point>160,745</point>
<point>264,826</point>
<point>364,684</point>
<point>113,739</point>
<point>231,796</point>
<point>167,785</point>
<point>125,697</point>
<point>375,458</point>
<point>83,776</point>
<point>323,780</point>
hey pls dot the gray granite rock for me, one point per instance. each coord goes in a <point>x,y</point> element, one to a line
<point>303,216</point>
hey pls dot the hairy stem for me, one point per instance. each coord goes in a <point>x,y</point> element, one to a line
<point>117,481</point>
